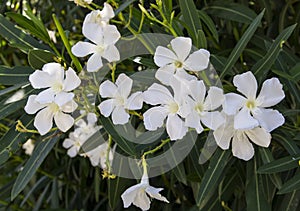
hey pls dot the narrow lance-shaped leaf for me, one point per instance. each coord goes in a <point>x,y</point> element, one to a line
<point>291,185</point>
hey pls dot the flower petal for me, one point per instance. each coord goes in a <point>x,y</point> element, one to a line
<point>259,136</point>
<point>197,61</point>
<point>94,62</point>
<point>193,121</point>
<point>69,107</point>
<point>271,93</point>
<point>233,102</point>
<point>213,120</point>
<point>241,146</point>
<point>108,89</point>
<point>157,94</point>
<point>154,117</point>
<point>40,79</point>
<point>82,49</point>
<point>164,74</point>
<point>43,120</point>
<point>107,12</point>
<point>246,84</point>
<point>244,121</point>
<point>197,90</point>
<point>46,96</point>
<point>111,53</point>
<point>164,56</point>
<point>72,81</point>
<point>135,101</point>
<point>106,107</point>
<point>129,195</point>
<point>175,127</point>
<point>269,119</point>
<point>73,151</point>
<point>154,193</point>
<point>214,99</point>
<point>224,133</point>
<point>91,118</point>
<point>124,84</point>
<point>68,143</point>
<point>32,106</point>
<point>120,116</point>
<point>142,200</point>
<point>110,35</point>
<point>63,97</point>
<point>63,121</point>
<point>182,47</point>
<point>94,32</point>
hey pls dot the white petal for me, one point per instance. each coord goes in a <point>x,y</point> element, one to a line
<point>32,106</point>
<point>111,54</point>
<point>63,121</point>
<point>120,116</point>
<point>157,94</point>
<point>182,47</point>
<point>164,74</point>
<point>213,120</point>
<point>244,121</point>
<point>181,73</point>
<point>106,107</point>
<point>197,61</point>
<point>43,120</point>
<point>154,117</point>
<point>93,32</point>
<point>46,96</point>
<point>197,90</point>
<point>259,136</point>
<point>271,93</point>
<point>135,101</point>
<point>72,81</point>
<point>224,133</point>
<point>91,118</point>
<point>142,200</point>
<point>193,121</point>
<point>233,102</point>
<point>40,79</point>
<point>94,62</point>
<point>63,97</point>
<point>69,107</point>
<point>269,119</point>
<point>214,99</point>
<point>129,195</point>
<point>164,56</point>
<point>82,49</point>
<point>241,147</point>
<point>107,12</point>
<point>110,35</point>
<point>154,193</point>
<point>72,152</point>
<point>54,69</point>
<point>175,127</point>
<point>246,84</point>
<point>124,84</point>
<point>68,143</point>
<point>108,89</point>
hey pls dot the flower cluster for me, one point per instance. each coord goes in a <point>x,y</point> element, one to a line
<point>56,100</point>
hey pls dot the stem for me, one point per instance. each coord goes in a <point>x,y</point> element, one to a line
<point>163,142</point>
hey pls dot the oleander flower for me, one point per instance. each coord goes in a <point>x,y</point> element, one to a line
<point>140,194</point>
<point>178,60</point>
<point>46,112</point>
<point>119,101</point>
<point>104,39</point>
<point>202,109</point>
<point>170,108</point>
<point>58,82</point>
<point>241,139</point>
<point>28,146</point>
<point>251,111</point>
<point>100,17</point>
<point>98,155</point>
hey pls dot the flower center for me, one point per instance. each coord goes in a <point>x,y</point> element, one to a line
<point>199,108</point>
<point>54,107</point>
<point>120,101</point>
<point>251,104</point>
<point>173,107</point>
<point>100,48</point>
<point>57,87</point>
<point>77,143</point>
<point>178,64</point>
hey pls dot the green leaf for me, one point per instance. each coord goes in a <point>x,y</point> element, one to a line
<point>124,6</point>
<point>240,46</point>
<point>10,108</point>
<point>295,72</point>
<point>202,43</point>
<point>40,152</point>
<point>15,75</point>
<point>212,175</point>
<point>209,23</point>
<point>231,11</point>
<point>263,65</point>
<point>282,164</point>
<point>37,58</point>
<point>190,17</point>
<point>291,185</point>
<point>16,37</point>
<point>290,201</point>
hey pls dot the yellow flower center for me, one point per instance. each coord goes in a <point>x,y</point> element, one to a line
<point>57,87</point>
<point>251,104</point>
<point>199,108</point>
<point>54,107</point>
<point>173,107</point>
<point>100,49</point>
<point>178,64</point>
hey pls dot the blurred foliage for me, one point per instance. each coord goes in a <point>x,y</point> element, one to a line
<point>270,181</point>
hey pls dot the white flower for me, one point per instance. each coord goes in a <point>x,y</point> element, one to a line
<point>28,146</point>
<point>82,3</point>
<point>170,108</point>
<point>271,93</point>
<point>98,155</point>
<point>43,121</point>
<point>119,101</point>
<point>179,59</point>
<point>99,17</point>
<point>104,39</point>
<point>52,36</point>
<point>202,108</point>
<point>241,145</point>
<point>59,84</point>
<point>73,144</point>
<point>140,194</point>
